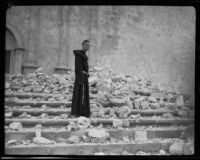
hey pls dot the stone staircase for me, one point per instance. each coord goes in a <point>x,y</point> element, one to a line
<point>142,132</point>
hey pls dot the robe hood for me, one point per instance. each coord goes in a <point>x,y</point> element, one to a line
<point>80,53</point>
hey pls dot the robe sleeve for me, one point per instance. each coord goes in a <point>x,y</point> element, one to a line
<point>78,68</point>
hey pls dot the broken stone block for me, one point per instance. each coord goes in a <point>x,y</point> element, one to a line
<point>63,116</point>
<point>167,115</point>
<point>26,107</point>
<point>125,123</point>
<point>154,105</point>
<point>74,139</point>
<point>188,149</point>
<point>105,88</point>
<point>93,81</point>
<point>135,116</point>
<point>162,152</point>
<point>44,107</point>
<point>42,140</point>
<point>180,101</point>
<point>98,133</point>
<point>8,114</point>
<point>116,79</point>
<point>123,111</point>
<point>117,92</point>
<point>25,115</point>
<point>44,116</point>
<point>152,99</point>
<point>182,113</point>
<point>117,101</point>
<point>176,148</point>
<point>15,125</point>
<point>38,129</point>
<point>130,104</point>
<point>11,142</point>
<point>99,153</point>
<point>145,105</point>
<point>108,96</point>
<point>138,101</point>
<point>117,123</point>
<point>83,122</point>
<point>141,135</point>
<point>7,85</point>
<point>125,153</point>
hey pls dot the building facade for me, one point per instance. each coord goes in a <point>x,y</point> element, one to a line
<point>152,42</point>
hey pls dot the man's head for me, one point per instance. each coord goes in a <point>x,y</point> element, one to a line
<point>86,45</point>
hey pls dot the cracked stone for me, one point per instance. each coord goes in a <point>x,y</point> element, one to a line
<point>15,126</point>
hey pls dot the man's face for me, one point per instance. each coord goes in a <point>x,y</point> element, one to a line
<point>86,46</point>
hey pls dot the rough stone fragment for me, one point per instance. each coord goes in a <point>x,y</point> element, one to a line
<point>83,122</point>
<point>154,105</point>
<point>15,125</point>
<point>99,153</point>
<point>162,152</point>
<point>152,99</point>
<point>167,115</point>
<point>180,101</point>
<point>117,123</point>
<point>188,149</point>
<point>98,133</point>
<point>42,140</point>
<point>8,114</point>
<point>176,148</point>
<point>11,142</point>
<point>74,139</point>
<point>141,135</point>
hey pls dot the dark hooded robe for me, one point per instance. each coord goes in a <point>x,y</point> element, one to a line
<point>80,99</point>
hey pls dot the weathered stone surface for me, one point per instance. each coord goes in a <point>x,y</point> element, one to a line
<point>42,140</point>
<point>180,101</point>
<point>98,133</point>
<point>11,142</point>
<point>38,130</point>
<point>182,113</point>
<point>73,139</point>
<point>15,125</point>
<point>167,115</point>
<point>117,101</point>
<point>162,152</point>
<point>154,105</point>
<point>138,101</point>
<point>117,123</point>
<point>188,149</point>
<point>176,148</point>
<point>83,122</point>
<point>141,135</point>
<point>93,81</point>
<point>8,114</point>
<point>99,153</point>
<point>145,105</point>
<point>152,99</point>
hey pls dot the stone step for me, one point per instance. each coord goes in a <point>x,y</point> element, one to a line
<point>32,95</point>
<point>87,148</point>
<point>133,122</point>
<point>55,133</point>
<point>50,111</point>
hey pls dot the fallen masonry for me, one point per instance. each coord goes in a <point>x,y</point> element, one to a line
<point>130,116</point>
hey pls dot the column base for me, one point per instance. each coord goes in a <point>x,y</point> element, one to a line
<point>29,68</point>
<point>62,70</point>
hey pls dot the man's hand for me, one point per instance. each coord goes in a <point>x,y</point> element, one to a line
<point>85,73</point>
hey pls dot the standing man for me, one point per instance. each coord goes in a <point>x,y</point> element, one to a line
<point>80,99</point>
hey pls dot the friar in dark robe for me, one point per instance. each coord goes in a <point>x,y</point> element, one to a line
<point>80,100</point>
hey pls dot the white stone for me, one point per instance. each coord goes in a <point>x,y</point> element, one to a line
<point>15,125</point>
<point>42,140</point>
<point>8,114</point>
<point>99,153</point>
<point>180,101</point>
<point>176,148</point>
<point>117,123</point>
<point>98,133</point>
<point>12,141</point>
<point>141,135</point>
<point>83,121</point>
<point>73,139</point>
<point>162,152</point>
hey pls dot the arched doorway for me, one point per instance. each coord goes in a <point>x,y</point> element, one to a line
<point>14,50</point>
<point>11,45</point>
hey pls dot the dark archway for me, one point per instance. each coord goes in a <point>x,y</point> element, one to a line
<point>14,49</point>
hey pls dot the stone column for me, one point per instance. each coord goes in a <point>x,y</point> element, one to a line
<point>33,36</point>
<point>19,54</point>
<point>63,50</point>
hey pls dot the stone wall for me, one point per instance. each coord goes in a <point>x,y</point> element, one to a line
<point>156,43</point>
